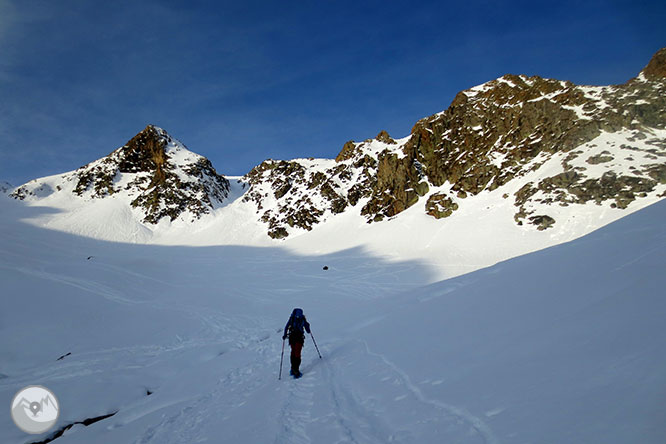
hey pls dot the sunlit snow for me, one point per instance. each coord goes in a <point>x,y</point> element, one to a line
<point>183,343</point>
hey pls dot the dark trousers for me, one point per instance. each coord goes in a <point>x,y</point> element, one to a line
<point>296,347</point>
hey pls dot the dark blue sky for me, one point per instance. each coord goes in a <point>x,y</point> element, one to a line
<point>242,81</point>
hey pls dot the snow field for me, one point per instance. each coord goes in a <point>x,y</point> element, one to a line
<point>562,345</point>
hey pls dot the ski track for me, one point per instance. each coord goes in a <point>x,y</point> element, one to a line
<point>358,424</point>
<point>82,284</point>
<point>230,392</point>
<point>140,356</point>
<point>142,276</point>
<point>295,413</point>
<point>476,423</point>
<point>355,423</point>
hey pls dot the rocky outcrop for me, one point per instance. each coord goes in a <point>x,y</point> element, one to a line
<point>656,69</point>
<point>439,205</point>
<point>161,177</point>
<point>498,133</point>
<point>492,135</point>
<point>539,143</point>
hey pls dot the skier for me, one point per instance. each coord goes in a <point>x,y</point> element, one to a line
<point>294,329</point>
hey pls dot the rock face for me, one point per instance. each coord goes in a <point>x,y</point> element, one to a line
<point>605,145</point>
<point>538,144</point>
<point>157,173</point>
<point>301,193</point>
<point>656,69</point>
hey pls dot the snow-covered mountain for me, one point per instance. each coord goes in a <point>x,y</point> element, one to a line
<point>544,144</point>
<point>153,173</point>
<point>512,166</point>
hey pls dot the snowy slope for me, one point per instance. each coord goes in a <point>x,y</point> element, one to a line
<point>482,231</point>
<point>563,345</point>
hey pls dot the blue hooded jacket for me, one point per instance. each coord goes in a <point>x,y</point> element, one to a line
<point>295,315</point>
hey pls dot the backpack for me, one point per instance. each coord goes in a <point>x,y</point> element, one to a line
<point>297,321</point>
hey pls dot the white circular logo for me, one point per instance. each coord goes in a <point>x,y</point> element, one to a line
<point>35,409</point>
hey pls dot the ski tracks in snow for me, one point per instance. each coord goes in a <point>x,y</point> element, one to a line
<point>319,407</point>
<point>295,413</point>
<point>358,396</point>
<point>191,423</point>
<point>459,413</point>
<point>358,424</point>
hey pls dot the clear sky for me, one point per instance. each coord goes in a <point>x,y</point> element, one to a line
<point>245,80</point>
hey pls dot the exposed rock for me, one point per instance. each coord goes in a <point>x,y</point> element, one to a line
<point>422,189</point>
<point>383,136</point>
<point>348,151</point>
<point>657,172</point>
<point>144,169</point>
<point>393,192</point>
<point>490,135</point>
<point>61,431</point>
<point>599,158</point>
<point>656,68</point>
<point>440,205</point>
<point>278,233</point>
<point>542,222</point>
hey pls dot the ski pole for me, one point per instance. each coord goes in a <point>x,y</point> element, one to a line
<point>315,343</point>
<point>281,358</point>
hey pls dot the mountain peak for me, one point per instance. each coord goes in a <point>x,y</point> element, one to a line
<point>152,132</point>
<point>656,69</point>
<point>384,136</point>
<point>146,152</point>
<point>546,146</point>
<point>158,174</point>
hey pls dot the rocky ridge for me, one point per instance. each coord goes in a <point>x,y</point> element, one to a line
<point>157,173</point>
<point>303,192</point>
<point>540,144</point>
<point>564,144</point>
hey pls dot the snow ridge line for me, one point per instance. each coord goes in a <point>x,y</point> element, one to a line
<point>82,284</point>
<point>476,423</point>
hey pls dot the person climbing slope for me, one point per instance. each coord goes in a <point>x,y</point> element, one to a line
<point>294,330</point>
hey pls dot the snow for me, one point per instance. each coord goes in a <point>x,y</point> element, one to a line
<point>464,329</point>
<point>630,154</point>
<point>505,79</point>
<point>578,109</point>
<point>374,147</point>
<point>481,232</point>
<point>562,345</point>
